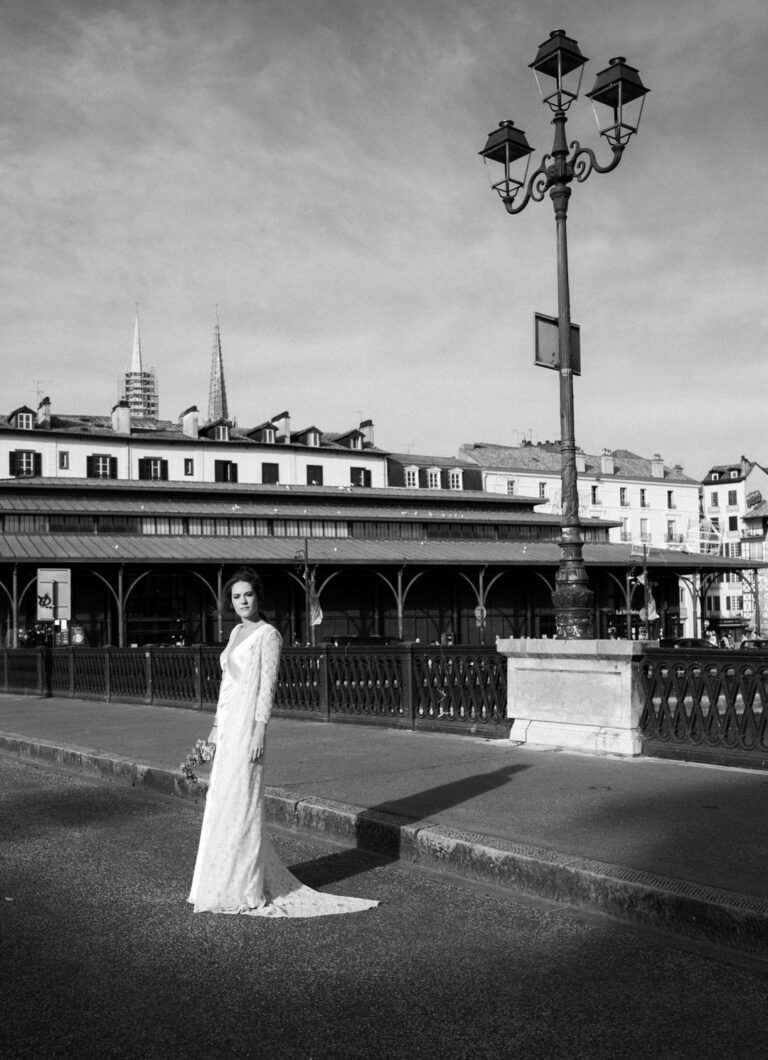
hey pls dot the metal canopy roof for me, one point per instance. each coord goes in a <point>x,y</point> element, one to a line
<point>234,492</point>
<point>115,548</point>
<point>276,502</point>
<point>269,509</point>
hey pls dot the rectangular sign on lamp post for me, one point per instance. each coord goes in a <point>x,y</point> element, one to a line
<point>547,349</point>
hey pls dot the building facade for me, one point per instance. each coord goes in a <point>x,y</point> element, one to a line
<point>734,505</point>
<point>120,447</point>
<point>648,503</point>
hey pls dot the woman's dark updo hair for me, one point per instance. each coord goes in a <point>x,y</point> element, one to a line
<point>242,574</point>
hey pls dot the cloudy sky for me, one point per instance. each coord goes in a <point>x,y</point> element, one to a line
<point>310,167</point>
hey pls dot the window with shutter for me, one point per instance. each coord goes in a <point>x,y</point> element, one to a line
<point>153,467</point>
<point>224,471</point>
<point>25,463</point>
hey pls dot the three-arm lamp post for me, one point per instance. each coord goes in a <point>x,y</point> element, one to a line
<point>620,89</point>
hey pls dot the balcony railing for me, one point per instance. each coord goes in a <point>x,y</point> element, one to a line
<point>408,686</point>
<point>706,706</point>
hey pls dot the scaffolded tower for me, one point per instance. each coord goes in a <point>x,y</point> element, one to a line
<point>137,386</point>
<point>217,393</point>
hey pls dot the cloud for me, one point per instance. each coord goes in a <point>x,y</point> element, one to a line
<point>312,168</point>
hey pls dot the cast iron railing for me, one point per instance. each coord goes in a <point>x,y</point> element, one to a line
<point>706,706</point>
<point>409,686</point>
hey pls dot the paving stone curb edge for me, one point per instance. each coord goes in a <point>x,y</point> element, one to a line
<point>722,917</point>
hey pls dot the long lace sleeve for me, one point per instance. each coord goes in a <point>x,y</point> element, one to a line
<point>270,666</point>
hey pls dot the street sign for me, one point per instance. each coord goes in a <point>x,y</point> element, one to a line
<point>547,344</point>
<point>54,594</point>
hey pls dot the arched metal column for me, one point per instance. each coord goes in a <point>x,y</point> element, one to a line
<point>400,592</point>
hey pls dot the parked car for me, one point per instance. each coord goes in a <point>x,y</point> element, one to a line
<point>758,644</point>
<point>695,643</point>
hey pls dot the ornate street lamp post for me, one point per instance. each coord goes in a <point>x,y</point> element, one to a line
<point>620,89</point>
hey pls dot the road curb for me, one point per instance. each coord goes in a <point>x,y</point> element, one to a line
<point>726,918</point>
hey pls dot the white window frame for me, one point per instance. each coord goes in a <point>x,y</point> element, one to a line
<point>101,465</point>
<point>25,463</point>
<point>433,478</point>
<point>155,465</point>
<point>412,478</point>
<point>25,421</point>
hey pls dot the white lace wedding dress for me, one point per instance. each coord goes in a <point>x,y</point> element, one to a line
<point>237,869</point>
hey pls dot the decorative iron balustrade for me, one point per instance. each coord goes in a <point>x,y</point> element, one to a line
<point>706,706</point>
<point>437,688</point>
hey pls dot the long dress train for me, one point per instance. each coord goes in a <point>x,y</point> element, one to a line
<point>237,869</point>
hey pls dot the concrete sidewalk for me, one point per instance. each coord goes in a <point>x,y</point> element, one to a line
<point>680,846</point>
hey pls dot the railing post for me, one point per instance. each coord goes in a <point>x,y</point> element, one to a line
<point>108,674</point>
<point>41,653</point>
<point>406,687</point>
<point>324,683</point>
<point>71,672</point>
<point>198,664</point>
<point>148,685</point>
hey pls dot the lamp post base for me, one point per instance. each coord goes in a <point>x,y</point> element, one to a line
<point>573,612</point>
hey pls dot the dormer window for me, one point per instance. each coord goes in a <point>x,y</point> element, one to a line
<point>313,438</point>
<point>266,433</point>
<point>734,474</point>
<point>22,418</point>
<point>715,476</point>
<point>433,478</point>
<point>221,433</point>
<point>454,479</point>
<point>355,441</point>
<point>412,478</point>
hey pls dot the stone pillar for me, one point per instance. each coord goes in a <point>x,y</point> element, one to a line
<point>578,695</point>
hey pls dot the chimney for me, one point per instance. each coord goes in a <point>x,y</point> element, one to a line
<point>44,413</point>
<point>284,419</point>
<point>190,422</point>
<point>121,418</point>
<point>606,462</point>
<point>367,428</point>
<point>581,462</point>
<point>657,466</point>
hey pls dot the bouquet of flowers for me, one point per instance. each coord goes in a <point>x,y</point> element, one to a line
<point>202,752</point>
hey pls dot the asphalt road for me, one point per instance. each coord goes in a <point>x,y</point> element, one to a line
<point>101,956</point>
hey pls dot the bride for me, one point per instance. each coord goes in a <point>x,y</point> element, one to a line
<point>237,869</point>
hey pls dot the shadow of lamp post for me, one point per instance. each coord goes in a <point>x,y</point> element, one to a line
<point>620,89</point>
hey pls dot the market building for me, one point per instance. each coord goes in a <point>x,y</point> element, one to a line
<point>126,527</point>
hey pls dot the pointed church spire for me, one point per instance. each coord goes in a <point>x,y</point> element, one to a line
<point>217,394</point>
<point>136,358</point>
<point>138,386</point>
